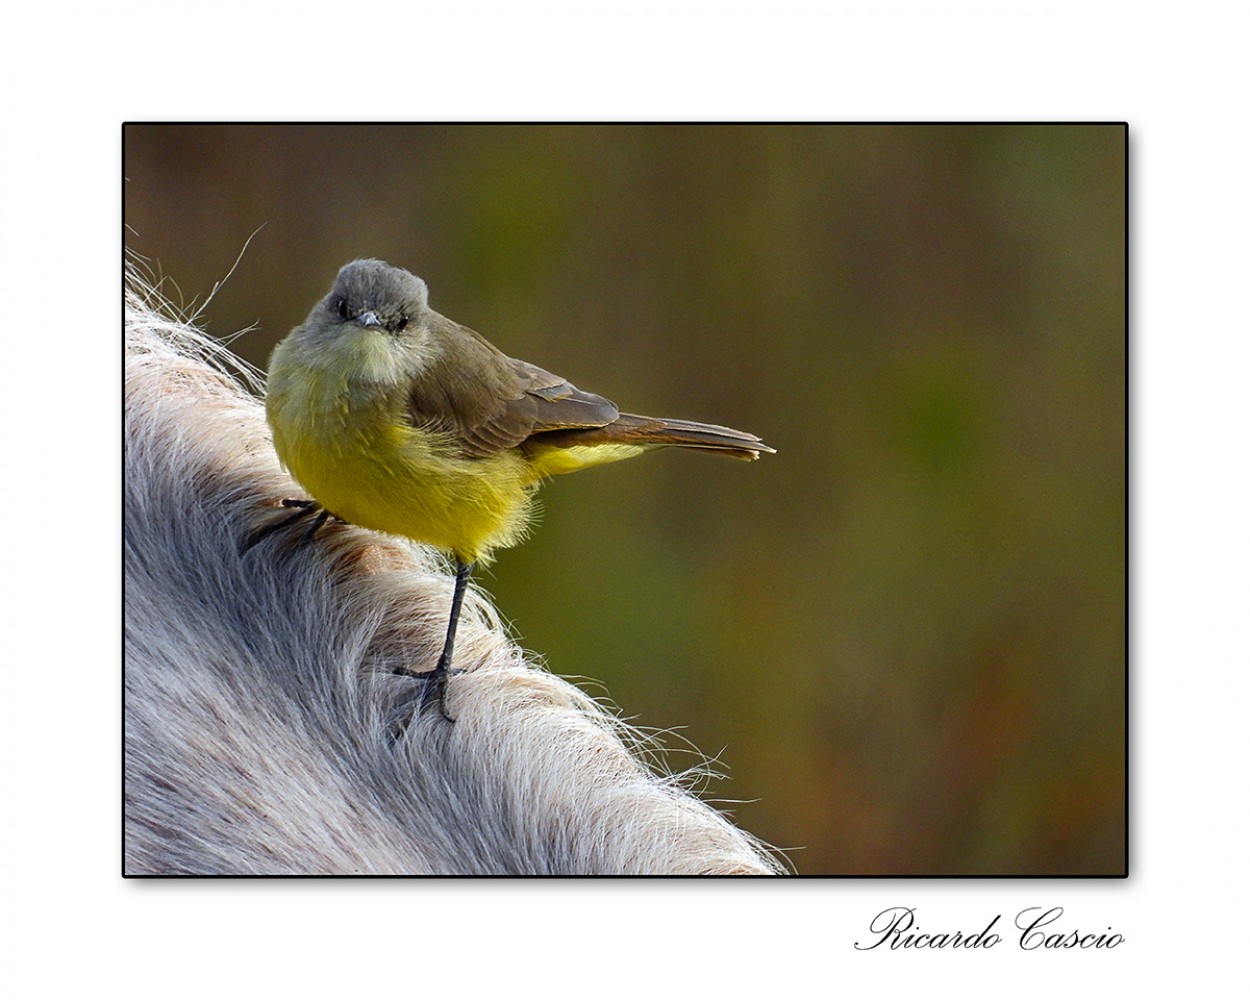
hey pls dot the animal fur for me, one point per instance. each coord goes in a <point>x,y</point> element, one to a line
<point>265,731</point>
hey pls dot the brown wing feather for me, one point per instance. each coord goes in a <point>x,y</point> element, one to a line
<point>489,402</point>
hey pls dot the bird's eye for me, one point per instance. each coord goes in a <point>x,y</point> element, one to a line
<point>340,307</point>
<point>400,323</point>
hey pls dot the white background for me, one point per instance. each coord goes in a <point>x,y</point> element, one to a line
<point>69,925</point>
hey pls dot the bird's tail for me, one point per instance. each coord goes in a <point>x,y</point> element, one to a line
<point>630,431</point>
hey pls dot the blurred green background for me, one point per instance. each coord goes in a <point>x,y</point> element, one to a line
<point>904,634</point>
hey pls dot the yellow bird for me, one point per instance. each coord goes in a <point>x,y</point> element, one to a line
<point>397,419</point>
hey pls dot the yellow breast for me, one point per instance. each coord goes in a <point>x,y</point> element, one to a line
<point>350,446</point>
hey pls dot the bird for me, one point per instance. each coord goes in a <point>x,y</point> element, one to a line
<point>398,419</point>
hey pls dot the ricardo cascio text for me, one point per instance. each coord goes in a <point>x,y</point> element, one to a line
<point>1036,928</point>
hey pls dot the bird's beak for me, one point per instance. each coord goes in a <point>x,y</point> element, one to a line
<point>369,318</point>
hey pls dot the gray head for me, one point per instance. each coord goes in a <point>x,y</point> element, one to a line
<point>371,293</point>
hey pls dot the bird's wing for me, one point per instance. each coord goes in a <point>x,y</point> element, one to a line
<point>489,402</point>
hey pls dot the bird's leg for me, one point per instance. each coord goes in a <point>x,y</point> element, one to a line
<point>303,509</point>
<point>315,527</point>
<point>436,679</point>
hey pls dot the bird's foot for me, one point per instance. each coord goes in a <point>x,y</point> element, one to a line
<point>435,686</point>
<point>302,509</point>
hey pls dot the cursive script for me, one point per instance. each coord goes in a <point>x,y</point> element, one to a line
<point>1033,921</point>
<point>895,927</point>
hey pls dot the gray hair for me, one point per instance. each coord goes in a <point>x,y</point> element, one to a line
<point>265,731</point>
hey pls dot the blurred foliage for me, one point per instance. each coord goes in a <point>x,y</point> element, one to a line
<point>904,634</point>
